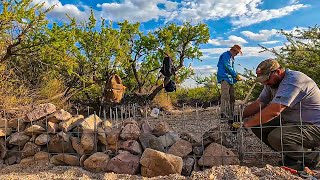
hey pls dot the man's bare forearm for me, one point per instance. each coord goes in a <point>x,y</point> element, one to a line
<point>252,108</point>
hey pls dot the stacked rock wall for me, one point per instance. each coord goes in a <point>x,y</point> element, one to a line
<point>128,147</point>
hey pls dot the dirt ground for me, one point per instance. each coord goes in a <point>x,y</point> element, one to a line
<point>254,165</point>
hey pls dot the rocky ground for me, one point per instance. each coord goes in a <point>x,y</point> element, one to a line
<point>44,170</point>
<point>254,164</point>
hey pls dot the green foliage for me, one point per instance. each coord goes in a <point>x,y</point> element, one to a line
<point>301,52</point>
<point>200,95</point>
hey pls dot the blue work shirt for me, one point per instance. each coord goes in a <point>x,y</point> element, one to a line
<point>226,68</point>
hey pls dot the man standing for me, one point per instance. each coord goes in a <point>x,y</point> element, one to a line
<point>227,77</point>
<point>290,103</point>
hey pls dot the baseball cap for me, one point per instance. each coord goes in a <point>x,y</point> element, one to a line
<point>265,68</point>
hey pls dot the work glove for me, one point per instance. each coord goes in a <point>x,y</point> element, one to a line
<point>237,125</point>
<point>238,78</point>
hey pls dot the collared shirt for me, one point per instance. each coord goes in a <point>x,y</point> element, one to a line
<point>226,69</point>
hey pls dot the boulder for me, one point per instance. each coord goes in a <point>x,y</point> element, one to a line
<point>97,162</point>
<point>156,163</point>
<point>181,148</point>
<point>91,123</point>
<point>130,132</point>
<point>60,143</point>
<point>216,155</point>
<point>19,139</point>
<point>132,146</point>
<point>30,149</point>
<point>71,123</point>
<point>34,130</point>
<point>169,138</point>
<point>124,163</point>
<point>187,168</point>
<point>151,141</point>
<point>65,159</point>
<point>161,128</point>
<point>39,112</point>
<point>42,139</point>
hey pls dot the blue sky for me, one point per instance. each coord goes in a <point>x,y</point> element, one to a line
<point>244,22</point>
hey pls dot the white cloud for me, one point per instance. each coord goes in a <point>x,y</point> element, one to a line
<point>228,42</point>
<point>293,1</point>
<point>243,13</point>
<point>205,69</point>
<point>269,42</point>
<point>263,35</point>
<point>60,11</point>
<point>258,15</point>
<point>247,52</point>
<point>170,6</point>
<point>136,10</point>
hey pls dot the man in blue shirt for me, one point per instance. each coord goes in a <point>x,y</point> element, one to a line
<point>227,77</point>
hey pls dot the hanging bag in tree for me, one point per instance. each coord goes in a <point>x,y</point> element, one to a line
<point>167,68</point>
<point>114,89</point>
<point>171,86</point>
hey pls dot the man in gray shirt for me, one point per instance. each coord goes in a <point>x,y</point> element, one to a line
<point>288,113</point>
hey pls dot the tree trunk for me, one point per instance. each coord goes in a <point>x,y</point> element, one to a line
<point>153,94</point>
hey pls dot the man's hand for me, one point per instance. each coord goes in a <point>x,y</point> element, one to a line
<point>238,78</point>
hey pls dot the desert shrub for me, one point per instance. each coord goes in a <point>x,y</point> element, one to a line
<point>163,100</point>
<point>12,91</point>
<point>203,96</point>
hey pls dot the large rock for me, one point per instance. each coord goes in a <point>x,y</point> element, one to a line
<point>41,155</point>
<point>161,128</point>
<point>97,162</point>
<point>71,123</point>
<point>65,159</point>
<point>60,143</point>
<point>34,130</point>
<point>216,155</point>
<point>5,132</point>
<point>77,146</point>
<point>145,128</point>
<point>91,123</point>
<point>124,163</point>
<point>17,124</point>
<point>30,149</point>
<point>181,148</point>
<point>60,115</point>
<point>169,138</point>
<point>88,141</point>
<point>40,111</point>
<point>102,135</point>
<point>113,136</point>
<point>132,146</point>
<point>3,150</point>
<point>156,163</point>
<point>151,141</point>
<point>19,139</point>
<point>187,168</point>
<point>193,138</point>
<point>130,132</point>
<point>52,128</point>
<point>42,139</point>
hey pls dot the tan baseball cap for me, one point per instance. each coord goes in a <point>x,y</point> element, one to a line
<point>265,68</point>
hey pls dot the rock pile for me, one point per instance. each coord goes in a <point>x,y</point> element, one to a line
<point>133,147</point>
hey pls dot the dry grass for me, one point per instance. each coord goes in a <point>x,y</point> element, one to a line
<point>12,92</point>
<point>163,100</point>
